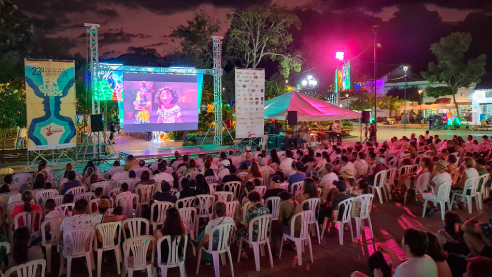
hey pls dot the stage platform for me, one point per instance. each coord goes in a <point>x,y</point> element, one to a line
<point>184,150</point>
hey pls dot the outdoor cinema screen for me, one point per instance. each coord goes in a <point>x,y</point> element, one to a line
<point>159,102</point>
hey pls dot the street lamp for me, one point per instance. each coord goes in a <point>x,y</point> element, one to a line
<point>421,92</point>
<point>405,68</point>
<point>310,82</point>
<point>286,81</point>
<point>346,95</point>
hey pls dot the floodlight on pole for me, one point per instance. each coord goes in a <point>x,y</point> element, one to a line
<point>339,55</point>
<point>405,68</point>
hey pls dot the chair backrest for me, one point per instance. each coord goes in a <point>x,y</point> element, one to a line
<point>210,179</point>
<point>161,208</point>
<point>347,207</point>
<point>444,190</point>
<point>6,196</point>
<point>11,206</point>
<point>174,191</point>
<point>76,190</point>
<point>296,186</point>
<point>188,217</point>
<point>262,224</point>
<point>471,184</point>
<point>106,185</point>
<point>54,224</point>
<point>45,194</point>
<point>305,218</point>
<point>29,219</point>
<point>234,187</point>
<point>309,166</point>
<point>145,192</point>
<point>391,175</point>
<point>483,179</point>
<point>261,190</point>
<point>223,234</point>
<point>311,203</point>
<point>113,192</point>
<point>192,175</point>
<point>137,247</point>
<point>405,169</point>
<point>365,202</point>
<point>22,178</point>
<point>186,202</point>
<point>422,181</point>
<point>120,175</point>
<point>58,199</point>
<point>64,208</point>
<point>130,181</point>
<point>29,269</point>
<point>224,196</point>
<point>205,204</point>
<point>134,226</point>
<point>275,206</point>
<point>126,202</point>
<point>78,241</point>
<point>173,246</point>
<point>88,196</point>
<point>5,244</point>
<point>231,208</point>
<point>108,232</point>
<point>381,176</point>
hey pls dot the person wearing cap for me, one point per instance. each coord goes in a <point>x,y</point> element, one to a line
<point>346,164</point>
<point>332,212</point>
<point>275,186</point>
<point>286,163</point>
<point>299,176</point>
<point>379,162</point>
<point>232,177</point>
<point>441,177</point>
<point>225,169</point>
<point>348,177</point>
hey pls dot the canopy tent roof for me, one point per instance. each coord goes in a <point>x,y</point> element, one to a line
<point>308,108</point>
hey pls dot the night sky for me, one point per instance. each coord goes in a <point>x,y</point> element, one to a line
<point>405,33</point>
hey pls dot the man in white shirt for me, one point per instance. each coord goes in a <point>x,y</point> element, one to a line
<point>162,176</point>
<point>225,170</point>
<point>82,219</point>
<point>441,177</point>
<point>154,165</point>
<point>116,168</point>
<point>326,183</point>
<point>361,164</point>
<point>346,164</point>
<point>257,152</point>
<point>321,149</point>
<point>286,164</point>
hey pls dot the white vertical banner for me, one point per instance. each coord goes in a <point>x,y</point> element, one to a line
<point>250,103</point>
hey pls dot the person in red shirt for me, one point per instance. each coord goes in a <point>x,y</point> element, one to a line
<point>27,207</point>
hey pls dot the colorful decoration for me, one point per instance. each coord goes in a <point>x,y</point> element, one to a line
<point>102,90</point>
<point>342,78</point>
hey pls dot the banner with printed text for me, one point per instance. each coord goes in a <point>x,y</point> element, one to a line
<point>250,103</point>
<point>50,100</point>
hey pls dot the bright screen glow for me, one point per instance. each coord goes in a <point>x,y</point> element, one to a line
<point>159,102</point>
<point>339,55</point>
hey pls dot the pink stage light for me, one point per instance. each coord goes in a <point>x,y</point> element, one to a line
<point>339,55</point>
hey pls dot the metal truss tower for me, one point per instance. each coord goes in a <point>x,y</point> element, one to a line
<point>92,74</point>
<point>217,73</point>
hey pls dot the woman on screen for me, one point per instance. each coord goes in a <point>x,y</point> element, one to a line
<point>142,104</point>
<point>168,111</point>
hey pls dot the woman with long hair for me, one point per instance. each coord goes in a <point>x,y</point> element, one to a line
<point>435,251</point>
<point>310,190</point>
<point>42,166</point>
<point>89,164</point>
<point>72,182</point>
<point>201,185</point>
<point>21,252</point>
<point>68,168</point>
<point>39,182</point>
<point>187,189</point>
<point>426,165</point>
<point>27,207</point>
<point>254,172</point>
<point>191,167</point>
<point>451,239</point>
<point>145,179</point>
<point>207,169</point>
<point>274,157</point>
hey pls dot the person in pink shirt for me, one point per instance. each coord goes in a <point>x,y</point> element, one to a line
<point>27,207</point>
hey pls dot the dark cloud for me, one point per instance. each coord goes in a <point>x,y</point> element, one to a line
<point>113,36</point>
<point>108,13</point>
<point>378,5</point>
<point>156,44</point>
<point>110,54</point>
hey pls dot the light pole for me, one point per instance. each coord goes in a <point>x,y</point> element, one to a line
<point>405,68</point>
<point>420,94</point>
<point>310,82</point>
<point>346,95</point>
<point>375,30</point>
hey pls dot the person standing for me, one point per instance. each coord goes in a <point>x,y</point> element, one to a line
<point>111,133</point>
<point>431,121</point>
<point>339,132</point>
<point>21,138</point>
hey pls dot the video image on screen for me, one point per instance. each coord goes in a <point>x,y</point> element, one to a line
<point>159,102</point>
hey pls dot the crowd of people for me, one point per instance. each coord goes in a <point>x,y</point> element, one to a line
<point>331,172</point>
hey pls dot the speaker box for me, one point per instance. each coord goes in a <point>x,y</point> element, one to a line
<point>366,117</point>
<point>292,118</point>
<point>280,142</point>
<point>272,142</point>
<point>97,123</point>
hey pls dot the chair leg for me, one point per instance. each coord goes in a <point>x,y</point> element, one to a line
<point>48,257</point>
<point>281,246</point>
<point>270,253</point>
<point>443,208</point>
<point>357,227</point>
<point>450,205</point>
<point>223,258</point>
<point>198,261</point>
<point>340,232</point>
<point>256,250</point>
<point>310,249</point>
<point>215,258</point>
<point>182,270</point>
<point>370,227</point>
<point>317,231</point>
<point>93,262</point>
<point>117,254</point>
<point>230,261</point>
<point>99,261</point>
<point>351,230</point>
<point>89,259</point>
<point>150,271</point>
<point>69,266</point>
<point>239,251</point>
<point>469,203</point>
<point>299,251</point>
<point>425,207</point>
<point>378,190</point>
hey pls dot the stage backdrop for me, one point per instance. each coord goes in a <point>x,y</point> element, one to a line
<point>250,102</point>
<point>50,101</point>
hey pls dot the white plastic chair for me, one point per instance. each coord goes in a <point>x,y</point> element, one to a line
<point>145,193</point>
<point>44,195</point>
<point>363,203</point>
<point>225,196</point>
<point>472,185</point>
<point>88,196</point>
<point>135,255</point>
<point>130,182</point>
<point>77,243</point>
<point>233,187</point>
<point>390,180</point>
<point>64,209</point>
<point>192,175</point>
<point>6,196</point>
<point>29,219</point>
<point>161,208</point>
<point>22,178</point>
<point>261,190</point>
<point>380,186</point>
<point>188,217</point>
<point>58,199</point>
<point>173,258</point>
<point>134,226</point>
<point>483,190</point>
<point>231,208</point>
<point>442,198</point>
<point>313,205</point>
<point>186,202</point>
<point>120,175</point>
<point>29,269</point>
<point>210,179</point>
<point>204,208</point>
<point>108,232</point>
<point>76,190</point>
<point>295,187</point>
<point>263,223</point>
<point>347,204</point>
<point>405,169</point>
<point>106,185</point>
<point>303,235</point>
<point>126,201</point>
<point>275,206</point>
<point>421,184</point>
<point>224,245</point>
<point>55,239</point>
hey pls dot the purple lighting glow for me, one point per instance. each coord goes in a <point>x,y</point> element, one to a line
<point>339,55</point>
